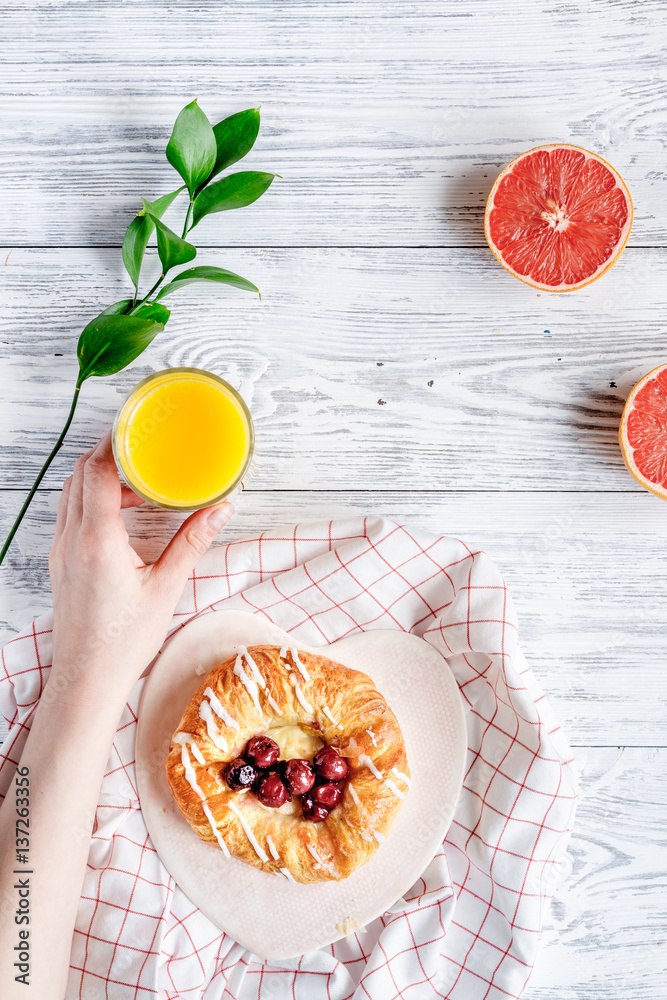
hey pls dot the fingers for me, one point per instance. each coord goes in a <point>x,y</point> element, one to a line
<point>101,485</point>
<point>75,498</point>
<point>61,515</point>
<point>94,490</point>
<point>189,544</point>
<point>128,498</point>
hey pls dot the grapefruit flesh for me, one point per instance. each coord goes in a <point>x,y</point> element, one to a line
<point>558,217</point>
<point>643,431</point>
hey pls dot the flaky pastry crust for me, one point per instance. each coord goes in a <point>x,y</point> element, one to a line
<point>263,690</point>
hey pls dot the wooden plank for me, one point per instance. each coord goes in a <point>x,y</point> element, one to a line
<point>388,124</point>
<point>590,597</point>
<point>419,369</point>
<point>604,936</point>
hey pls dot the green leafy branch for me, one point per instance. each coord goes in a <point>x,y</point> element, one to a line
<point>199,152</point>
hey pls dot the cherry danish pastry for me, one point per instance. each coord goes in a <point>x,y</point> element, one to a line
<point>290,762</point>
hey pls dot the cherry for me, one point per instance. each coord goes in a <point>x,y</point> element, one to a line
<point>298,776</point>
<point>272,792</point>
<point>330,764</point>
<point>327,795</point>
<point>239,774</point>
<point>261,751</point>
<point>313,810</point>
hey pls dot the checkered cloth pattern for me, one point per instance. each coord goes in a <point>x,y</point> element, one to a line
<point>468,929</point>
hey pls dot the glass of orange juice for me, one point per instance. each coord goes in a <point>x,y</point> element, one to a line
<point>183,438</point>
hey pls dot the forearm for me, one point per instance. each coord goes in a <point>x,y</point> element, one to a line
<point>66,753</point>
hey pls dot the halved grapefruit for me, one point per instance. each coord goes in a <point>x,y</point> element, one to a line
<point>643,431</point>
<point>558,217</point>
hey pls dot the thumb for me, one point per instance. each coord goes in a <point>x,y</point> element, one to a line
<point>190,543</point>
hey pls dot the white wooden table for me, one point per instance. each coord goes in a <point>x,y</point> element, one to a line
<point>392,366</point>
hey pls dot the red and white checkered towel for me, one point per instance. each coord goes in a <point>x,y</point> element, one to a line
<point>468,929</point>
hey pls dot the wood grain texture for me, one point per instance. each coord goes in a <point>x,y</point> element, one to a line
<point>407,375</point>
<point>605,934</point>
<point>589,597</point>
<point>387,122</point>
<point>425,369</point>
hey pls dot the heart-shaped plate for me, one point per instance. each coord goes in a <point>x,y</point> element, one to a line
<point>275,918</point>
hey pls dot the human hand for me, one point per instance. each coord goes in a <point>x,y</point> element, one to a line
<point>112,611</point>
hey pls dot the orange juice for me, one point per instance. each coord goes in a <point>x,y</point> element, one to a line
<point>183,438</point>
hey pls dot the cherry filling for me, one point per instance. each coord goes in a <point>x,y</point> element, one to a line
<point>274,786</point>
<point>298,775</point>
<point>262,751</point>
<point>329,763</point>
<point>312,810</point>
<point>328,795</point>
<point>240,774</point>
<point>272,792</point>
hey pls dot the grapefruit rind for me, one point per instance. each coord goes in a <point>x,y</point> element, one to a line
<point>626,448</point>
<point>605,266</point>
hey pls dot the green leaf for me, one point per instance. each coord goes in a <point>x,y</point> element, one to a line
<point>161,204</point>
<point>110,342</point>
<point>154,311</point>
<point>207,273</point>
<point>135,242</point>
<point>139,232</point>
<point>234,191</point>
<point>118,308</point>
<point>192,149</point>
<point>171,248</point>
<point>234,137</point>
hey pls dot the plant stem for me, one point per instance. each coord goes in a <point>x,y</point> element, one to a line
<point>53,454</point>
<point>159,281</point>
<point>187,219</point>
<point>156,285</point>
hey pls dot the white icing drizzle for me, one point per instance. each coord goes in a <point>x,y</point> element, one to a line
<point>403,777</point>
<point>259,851</point>
<point>393,788</point>
<point>284,650</point>
<point>221,712</point>
<point>295,660</point>
<point>273,703</point>
<point>299,665</point>
<point>187,739</point>
<point>288,875</point>
<point>321,863</point>
<point>292,650</point>
<point>190,775</point>
<point>260,680</point>
<point>380,837</point>
<point>299,693</point>
<point>272,847</point>
<point>355,797</point>
<point>257,677</point>
<point>218,835</point>
<point>248,683</point>
<point>214,734</point>
<point>330,717</point>
<point>372,736</point>
<point>191,778</point>
<point>364,760</point>
<point>365,836</point>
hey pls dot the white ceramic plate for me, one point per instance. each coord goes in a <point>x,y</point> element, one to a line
<point>270,916</point>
